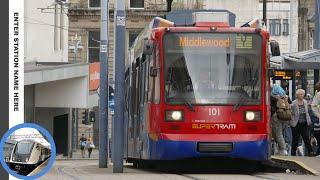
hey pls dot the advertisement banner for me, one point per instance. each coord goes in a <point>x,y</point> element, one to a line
<point>94,75</point>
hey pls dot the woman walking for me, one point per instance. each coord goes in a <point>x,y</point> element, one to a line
<point>300,122</point>
<point>90,146</point>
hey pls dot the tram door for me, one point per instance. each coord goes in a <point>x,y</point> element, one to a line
<point>135,111</point>
<point>139,101</point>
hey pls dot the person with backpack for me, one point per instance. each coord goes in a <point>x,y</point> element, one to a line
<point>83,143</point>
<point>300,123</point>
<point>280,115</point>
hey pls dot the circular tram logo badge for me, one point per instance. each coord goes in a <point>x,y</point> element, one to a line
<point>27,151</point>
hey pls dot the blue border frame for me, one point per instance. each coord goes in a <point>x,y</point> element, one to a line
<point>45,133</point>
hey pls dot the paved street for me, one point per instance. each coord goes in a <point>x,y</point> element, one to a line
<point>88,169</point>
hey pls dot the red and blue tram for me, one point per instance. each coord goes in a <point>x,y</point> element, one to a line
<point>197,91</point>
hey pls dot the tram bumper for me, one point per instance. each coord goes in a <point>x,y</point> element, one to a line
<point>177,146</point>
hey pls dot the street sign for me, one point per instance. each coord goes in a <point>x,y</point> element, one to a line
<point>121,21</point>
<point>103,48</point>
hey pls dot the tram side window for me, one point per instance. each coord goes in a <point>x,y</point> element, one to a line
<point>137,84</point>
<point>154,82</point>
<point>151,79</point>
<point>139,96</point>
<point>146,79</point>
<point>157,78</point>
<point>126,99</point>
<point>142,77</point>
<point>132,96</point>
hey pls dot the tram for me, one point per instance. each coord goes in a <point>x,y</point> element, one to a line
<point>197,90</point>
<point>7,149</point>
<point>28,154</point>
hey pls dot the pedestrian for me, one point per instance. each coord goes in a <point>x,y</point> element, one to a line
<point>278,124</point>
<point>316,118</point>
<point>300,123</point>
<point>287,134</point>
<point>83,142</point>
<point>90,146</point>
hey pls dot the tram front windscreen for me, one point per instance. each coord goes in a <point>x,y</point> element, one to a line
<point>212,68</point>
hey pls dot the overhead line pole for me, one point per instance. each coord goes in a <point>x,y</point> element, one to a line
<point>264,13</point>
<point>118,131</point>
<point>103,98</point>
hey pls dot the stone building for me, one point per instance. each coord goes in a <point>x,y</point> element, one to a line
<point>52,86</point>
<point>306,31</point>
<point>282,18</point>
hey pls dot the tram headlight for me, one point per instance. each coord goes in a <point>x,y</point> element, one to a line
<point>27,159</point>
<point>252,115</point>
<point>174,115</point>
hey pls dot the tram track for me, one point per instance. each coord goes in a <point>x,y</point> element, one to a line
<point>62,172</point>
<point>195,170</point>
<point>188,176</point>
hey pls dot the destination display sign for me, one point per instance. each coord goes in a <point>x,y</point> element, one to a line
<point>240,41</point>
<point>203,42</point>
<point>212,42</point>
<point>283,75</point>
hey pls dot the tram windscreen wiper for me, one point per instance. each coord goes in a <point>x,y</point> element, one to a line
<point>188,104</point>
<point>250,73</point>
<point>243,97</point>
<point>240,102</point>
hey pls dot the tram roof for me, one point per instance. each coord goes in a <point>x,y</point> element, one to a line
<point>185,17</point>
<point>309,59</point>
<point>30,134</point>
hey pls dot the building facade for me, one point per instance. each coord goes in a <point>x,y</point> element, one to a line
<point>282,18</point>
<point>46,31</point>
<point>53,87</point>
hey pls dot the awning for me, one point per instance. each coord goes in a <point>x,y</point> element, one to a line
<point>41,72</point>
<point>300,60</point>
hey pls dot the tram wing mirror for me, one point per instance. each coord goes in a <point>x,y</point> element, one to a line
<point>275,48</point>
<point>154,71</point>
<point>148,47</point>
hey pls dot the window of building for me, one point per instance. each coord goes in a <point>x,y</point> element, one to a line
<point>311,34</point>
<point>93,46</point>
<point>132,37</point>
<point>94,3</point>
<point>275,27</point>
<point>136,4</point>
<point>285,25</point>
